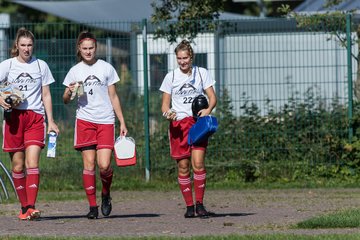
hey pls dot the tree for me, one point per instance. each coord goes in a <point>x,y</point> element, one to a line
<point>333,22</point>
<point>19,13</point>
<point>185,18</point>
<point>263,8</point>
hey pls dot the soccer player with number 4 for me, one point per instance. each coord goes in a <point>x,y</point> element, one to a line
<point>180,87</point>
<point>27,82</point>
<point>93,81</point>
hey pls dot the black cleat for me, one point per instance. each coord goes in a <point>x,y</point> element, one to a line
<point>93,214</point>
<point>106,206</point>
<point>202,212</point>
<point>190,212</point>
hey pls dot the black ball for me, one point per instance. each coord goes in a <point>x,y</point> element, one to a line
<point>9,100</point>
<point>200,102</point>
<point>7,112</point>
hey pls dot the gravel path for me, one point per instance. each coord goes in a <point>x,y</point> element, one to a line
<point>161,214</point>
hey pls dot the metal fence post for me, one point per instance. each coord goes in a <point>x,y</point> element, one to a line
<point>108,50</point>
<point>146,102</point>
<point>349,73</point>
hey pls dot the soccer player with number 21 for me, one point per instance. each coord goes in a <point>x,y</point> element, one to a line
<point>27,80</point>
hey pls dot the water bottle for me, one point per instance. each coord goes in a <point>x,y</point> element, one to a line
<point>7,112</point>
<point>51,148</point>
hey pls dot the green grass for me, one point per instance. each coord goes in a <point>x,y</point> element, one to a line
<point>344,219</point>
<point>229,237</point>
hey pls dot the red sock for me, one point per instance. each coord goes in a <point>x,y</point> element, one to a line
<point>199,185</point>
<point>186,190</point>
<point>106,179</point>
<point>89,183</point>
<point>19,180</point>
<point>32,185</point>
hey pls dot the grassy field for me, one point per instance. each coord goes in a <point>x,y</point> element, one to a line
<point>343,219</point>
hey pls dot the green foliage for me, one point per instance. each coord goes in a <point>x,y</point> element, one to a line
<point>333,22</point>
<point>19,13</point>
<point>330,3</point>
<point>304,140</point>
<point>305,143</point>
<point>284,9</point>
<point>181,18</point>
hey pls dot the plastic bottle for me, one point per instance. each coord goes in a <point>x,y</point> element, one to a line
<point>51,148</point>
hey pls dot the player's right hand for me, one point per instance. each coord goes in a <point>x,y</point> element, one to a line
<point>170,115</point>
<point>72,86</point>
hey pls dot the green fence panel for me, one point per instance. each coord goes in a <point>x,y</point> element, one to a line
<point>282,88</point>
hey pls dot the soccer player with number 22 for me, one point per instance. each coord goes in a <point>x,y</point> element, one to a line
<point>180,87</point>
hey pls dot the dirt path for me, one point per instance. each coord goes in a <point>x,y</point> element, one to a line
<point>161,213</point>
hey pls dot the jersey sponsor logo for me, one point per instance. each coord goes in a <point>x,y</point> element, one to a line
<point>25,78</point>
<point>187,89</point>
<point>92,81</point>
<point>187,85</point>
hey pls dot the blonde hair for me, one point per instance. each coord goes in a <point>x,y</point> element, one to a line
<point>22,32</point>
<point>184,45</point>
<point>84,35</point>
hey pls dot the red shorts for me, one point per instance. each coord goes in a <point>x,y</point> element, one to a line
<point>178,133</point>
<point>25,128</point>
<point>90,134</point>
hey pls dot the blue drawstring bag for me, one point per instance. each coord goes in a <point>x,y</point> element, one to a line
<point>202,129</point>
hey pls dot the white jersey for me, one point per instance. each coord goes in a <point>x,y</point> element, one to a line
<point>28,78</point>
<point>95,105</point>
<point>183,88</point>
